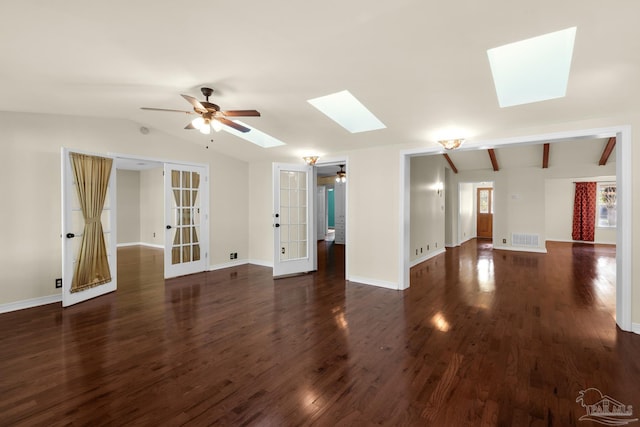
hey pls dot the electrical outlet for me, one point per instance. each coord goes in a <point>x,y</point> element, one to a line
<point>416,252</point>
<point>231,255</point>
<point>58,283</point>
<point>436,244</point>
<point>154,234</point>
<point>427,247</point>
<point>504,240</point>
<point>235,255</point>
<point>420,250</point>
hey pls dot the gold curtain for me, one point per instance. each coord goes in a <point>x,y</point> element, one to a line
<point>91,174</point>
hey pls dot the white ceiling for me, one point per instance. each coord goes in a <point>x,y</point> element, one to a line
<point>419,66</point>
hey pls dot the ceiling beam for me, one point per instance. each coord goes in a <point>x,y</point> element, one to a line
<point>611,143</point>
<point>545,156</point>
<point>453,167</point>
<point>494,161</point>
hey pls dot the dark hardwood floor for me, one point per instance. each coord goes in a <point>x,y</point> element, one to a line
<point>481,338</point>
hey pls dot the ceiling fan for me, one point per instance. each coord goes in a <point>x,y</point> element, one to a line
<point>210,115</point>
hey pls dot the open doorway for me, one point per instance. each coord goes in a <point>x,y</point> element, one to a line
<point>331,215</point>
<point>164,205</point>
<point>516,230</point>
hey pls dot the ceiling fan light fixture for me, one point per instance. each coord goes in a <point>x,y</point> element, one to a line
<point>198,122</point>
<point>342,175</point>
<point>216,125</point>
<point>205,128</point>
<point>451,144</point>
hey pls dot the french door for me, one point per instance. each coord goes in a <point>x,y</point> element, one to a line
<point>89,255</point>
<point>186,217</point>
<point>293,219</point>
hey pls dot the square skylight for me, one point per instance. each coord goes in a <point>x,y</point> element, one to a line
<point>254,135</point>
<point>532,70</point>
<point>347,111</point>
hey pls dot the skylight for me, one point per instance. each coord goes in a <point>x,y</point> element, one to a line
<point>347,111</point>
<point>255,136</point>
<point>532,70</point>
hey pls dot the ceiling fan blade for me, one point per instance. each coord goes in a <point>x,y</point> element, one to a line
<point>166,109</point>
<point>196,104</point>
<point>233,125</point>
<point>190,126</point>
<point>242,113</point>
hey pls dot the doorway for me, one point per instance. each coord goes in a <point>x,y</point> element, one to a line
<point>484,215</point>
<point>331,216</point>
<point>623,172</point>
<point>164,205</point>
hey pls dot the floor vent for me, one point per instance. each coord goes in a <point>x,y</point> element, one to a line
<point>529,240</point>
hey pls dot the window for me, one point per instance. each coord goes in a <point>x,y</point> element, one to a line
<point>606,207</point>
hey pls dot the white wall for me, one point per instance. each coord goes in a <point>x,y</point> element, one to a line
<point>261,213</point>
<point>32,262</point>
<point>467,210</point>
<point>128,206</point>
<point>427,207</point>
<point>152,224</point>
<point>451,209</point>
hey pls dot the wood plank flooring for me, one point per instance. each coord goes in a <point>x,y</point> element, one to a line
<point>482,338</point>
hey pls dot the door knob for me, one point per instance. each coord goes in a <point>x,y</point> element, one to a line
<point>70,235</point>
<point>168,227</point>
<point>277,225</point>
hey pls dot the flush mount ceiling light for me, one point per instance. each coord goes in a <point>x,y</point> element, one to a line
<point>451,144</point>
<point>347,111</point>
<point>532,70</point>
<point>342,175</point>
<point>310,160</point>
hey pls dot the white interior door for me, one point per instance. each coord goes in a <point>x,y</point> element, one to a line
<point>73,232</point>
<point>294,228</point>
<point>187,219</point>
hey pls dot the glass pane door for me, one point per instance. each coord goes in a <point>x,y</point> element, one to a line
<point>184,199</point>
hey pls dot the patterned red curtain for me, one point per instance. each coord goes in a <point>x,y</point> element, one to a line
<point>584,212</point>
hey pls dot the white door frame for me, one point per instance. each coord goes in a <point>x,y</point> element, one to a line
<point>624,199</point>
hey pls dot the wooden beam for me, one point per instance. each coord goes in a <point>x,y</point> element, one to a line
<point>545,156</point>
<point>453,167</point>
<point>494,161</point>
<point>611,143</point>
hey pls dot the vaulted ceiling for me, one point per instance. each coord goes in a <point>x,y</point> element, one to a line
<point>420,66</point>
<point>579,152</point>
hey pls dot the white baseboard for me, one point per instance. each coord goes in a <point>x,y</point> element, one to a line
<point>373,282</point>
<point>228,264</point>
<point>635,328</point>
<point>30,303</point>
<point>520,249</point>
<point>261,263</point>
<point>150,245</point>
<point>426,257</point>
